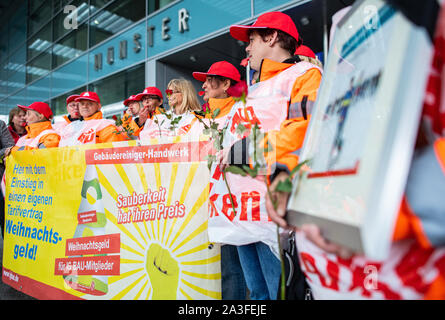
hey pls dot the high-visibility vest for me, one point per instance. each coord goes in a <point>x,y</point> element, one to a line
<point>267,105</point>
<point>60,125</point>
<point>33,142</point>
<point>188,124</point>
<point>83,132</point>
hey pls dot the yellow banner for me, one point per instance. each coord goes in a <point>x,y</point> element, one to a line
<point>124,221</point>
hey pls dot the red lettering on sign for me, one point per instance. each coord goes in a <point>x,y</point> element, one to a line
<point>212,207</point>
<point>255,196</point>
<point>227,206</point>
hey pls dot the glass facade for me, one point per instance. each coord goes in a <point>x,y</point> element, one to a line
<point>52,48</point>
<point>113,18</point>
<point>120,85</point>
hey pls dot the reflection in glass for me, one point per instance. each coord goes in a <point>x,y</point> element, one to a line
<point>39,66</point>
<point>39,17</point>
<point>40,42</point>
<point>114,18</point>
<point>71,46</point>
<point>120,86</point>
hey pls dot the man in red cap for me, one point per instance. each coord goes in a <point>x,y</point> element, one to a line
<point>40,133</point>
<point>94,128</point>
<point>72,108</point>
<point>281,100</point>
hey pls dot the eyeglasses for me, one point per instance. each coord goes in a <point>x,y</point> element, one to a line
<point>150,98</point>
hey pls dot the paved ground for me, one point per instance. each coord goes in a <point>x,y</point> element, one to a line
<point>6,292</point>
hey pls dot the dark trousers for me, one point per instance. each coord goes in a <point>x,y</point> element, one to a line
<point>233,285</point>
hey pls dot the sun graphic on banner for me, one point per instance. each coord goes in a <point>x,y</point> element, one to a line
<point>162,258</point>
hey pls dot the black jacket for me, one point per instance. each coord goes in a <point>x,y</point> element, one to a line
<point>6,141</point>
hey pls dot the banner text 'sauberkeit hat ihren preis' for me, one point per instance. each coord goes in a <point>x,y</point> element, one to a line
<point>40,107</point>
<point>270,20</point>
<point>220,68</point>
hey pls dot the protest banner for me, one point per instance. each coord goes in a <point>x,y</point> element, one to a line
<point>112,221</point>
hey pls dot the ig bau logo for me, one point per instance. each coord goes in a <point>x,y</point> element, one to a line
<point>70,21</point>
<point>371,280</point>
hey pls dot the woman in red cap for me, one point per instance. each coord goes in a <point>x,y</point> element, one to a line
<point>216,81</point>
<point>72,107</point>
<point>40,133</point>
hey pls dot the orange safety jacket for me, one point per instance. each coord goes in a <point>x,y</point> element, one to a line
<point>285,144</point>
<point>91,130</point>
<point>224,105</point>
<point>107,134</point>
<point>275,100</point>
<point>39,135</point>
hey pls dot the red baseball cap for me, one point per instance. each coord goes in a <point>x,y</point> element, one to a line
<point>304,51</point>
<point>150,91</point>
<point>220,68</point>
<point>72,98</point>
<point>88,95</point>
<point>40,107</point>
<point>270,20</point>
<point>131,99</point>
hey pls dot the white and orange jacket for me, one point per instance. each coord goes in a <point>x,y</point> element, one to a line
<point>91,130</point>
<point>281,104</point>
<point>60,125</point>
<point>39,135</point>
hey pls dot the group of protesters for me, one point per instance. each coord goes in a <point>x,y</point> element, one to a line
<point>290,76</point>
